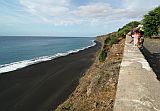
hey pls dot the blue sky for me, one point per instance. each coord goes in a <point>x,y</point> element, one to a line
<point>69,17</point>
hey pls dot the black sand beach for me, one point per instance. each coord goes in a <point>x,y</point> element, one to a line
<point>43,86</point>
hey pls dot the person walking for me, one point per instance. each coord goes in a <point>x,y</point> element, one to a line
<point>136,37</point>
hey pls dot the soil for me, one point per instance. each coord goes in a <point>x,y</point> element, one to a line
<point>97,88</point>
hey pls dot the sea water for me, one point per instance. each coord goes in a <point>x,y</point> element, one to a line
<point>18,52</point>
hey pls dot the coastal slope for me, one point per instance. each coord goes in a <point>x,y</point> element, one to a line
<point>97,88</point>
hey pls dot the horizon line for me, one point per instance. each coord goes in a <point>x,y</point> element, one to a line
<point>42,36</point>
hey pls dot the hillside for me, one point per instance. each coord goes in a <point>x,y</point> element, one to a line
<point>97,88</point>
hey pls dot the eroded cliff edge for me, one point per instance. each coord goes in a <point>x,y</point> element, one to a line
<point>97,88</point>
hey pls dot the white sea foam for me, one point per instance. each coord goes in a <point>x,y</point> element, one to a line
<point>21,64</point>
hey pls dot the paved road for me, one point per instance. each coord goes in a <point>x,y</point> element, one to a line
<point>151,52</point>
<point>138,89</point>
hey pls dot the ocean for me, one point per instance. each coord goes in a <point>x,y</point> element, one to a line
<point>20,51</point>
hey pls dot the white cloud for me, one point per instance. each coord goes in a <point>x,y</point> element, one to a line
<point>46,7</point>
<point>94,10</point>
<point>61,12</point>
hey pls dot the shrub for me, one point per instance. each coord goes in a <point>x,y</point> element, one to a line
<point>111,40</point>
<point>125,29</point>
<point>102,56</point>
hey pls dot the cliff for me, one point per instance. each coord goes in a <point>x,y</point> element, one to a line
<point>97,88</point>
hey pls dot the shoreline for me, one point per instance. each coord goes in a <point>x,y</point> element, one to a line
<point>9,67</point>
<point>45,85</point>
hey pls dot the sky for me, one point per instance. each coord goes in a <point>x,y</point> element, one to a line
<point>82,18</point>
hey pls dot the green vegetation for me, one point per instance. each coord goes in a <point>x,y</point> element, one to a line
<point>151,22</point>
<point>127,28</point>
<point>110,39</point>
<point>113,38</point>
<point>150,25</point>
<point>66,107</point>
<point>102,56</point>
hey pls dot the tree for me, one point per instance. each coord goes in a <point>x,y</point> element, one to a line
<point>128,27</point>
<point>151,22</point>
<point>133,24</point>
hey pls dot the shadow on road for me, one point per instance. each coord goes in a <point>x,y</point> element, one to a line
<point>154,61</point>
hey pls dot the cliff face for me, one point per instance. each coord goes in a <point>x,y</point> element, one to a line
<point>100,38</point>
<point>97,88</point>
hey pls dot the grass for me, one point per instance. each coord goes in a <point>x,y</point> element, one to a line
<point>66,106</point>
<point>108,42</point>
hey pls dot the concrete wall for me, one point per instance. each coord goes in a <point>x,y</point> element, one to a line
<point>138,89</point>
